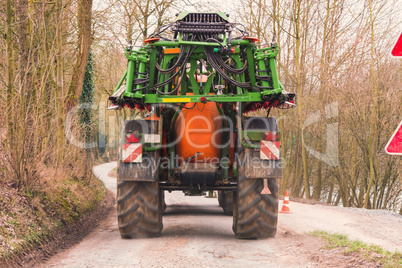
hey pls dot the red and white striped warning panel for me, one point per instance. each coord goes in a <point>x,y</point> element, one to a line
<point>270,150</point>
<point>132,152</point>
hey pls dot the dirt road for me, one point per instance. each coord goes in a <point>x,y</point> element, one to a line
<point>197,234</point>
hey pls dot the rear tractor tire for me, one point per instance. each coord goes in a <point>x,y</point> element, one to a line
<point>255,215</point>
<point>139,209</point>
<point>225,199</point>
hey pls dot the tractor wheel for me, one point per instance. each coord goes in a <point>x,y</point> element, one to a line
<point>225,199</point>
<point>255,215</point>
<point>162,200</point>
<point>139,209</point>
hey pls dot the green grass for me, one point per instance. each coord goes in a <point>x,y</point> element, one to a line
<point>372,253</point>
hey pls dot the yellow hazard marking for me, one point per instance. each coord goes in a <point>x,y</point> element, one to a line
<point>176,100</point>
<point>172,50</point>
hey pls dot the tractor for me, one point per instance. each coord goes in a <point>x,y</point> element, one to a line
<point>197,79</point>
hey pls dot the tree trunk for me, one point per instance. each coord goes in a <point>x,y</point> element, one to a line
<point>322,89</point>
<point>297,14</point>
<point>10,75</point>
<point>84,42</point>
<point>372,140</point>
<point>25,84</point>
<point>59,82</point>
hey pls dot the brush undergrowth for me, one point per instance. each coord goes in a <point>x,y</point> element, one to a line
<point>29,217</point>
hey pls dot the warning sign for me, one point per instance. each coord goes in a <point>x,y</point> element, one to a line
<point>397,50</point>
<point>394,146</point>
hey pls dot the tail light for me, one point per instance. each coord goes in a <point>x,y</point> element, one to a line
<point>132,138</point>
<point>270,136</point>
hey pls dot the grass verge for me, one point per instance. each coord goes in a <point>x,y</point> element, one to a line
<point>371,253</point>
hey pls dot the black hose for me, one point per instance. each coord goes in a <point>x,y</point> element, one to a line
<point>175,89</point>
<point>170,79</point>
<point>261,87</point>
<point>182,52</point>
<point>159,31</point>
<point>222,62</point>
<point>216,41</point>
<point>182,68</point>
<point>171,69</point>
<point>229,68</point>
<point>211,58</point>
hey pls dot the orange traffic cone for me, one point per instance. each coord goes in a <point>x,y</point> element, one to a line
<point>285,207</point>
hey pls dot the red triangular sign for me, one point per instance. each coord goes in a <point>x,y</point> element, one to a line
<point>394,146</point>
<point>397,50</point>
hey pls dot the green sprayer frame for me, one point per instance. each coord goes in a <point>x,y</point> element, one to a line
<point>146,56</point>
<point>142,75</point>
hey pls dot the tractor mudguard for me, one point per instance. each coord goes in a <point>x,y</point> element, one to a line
<point>257,164</point>
<point>148,167</point>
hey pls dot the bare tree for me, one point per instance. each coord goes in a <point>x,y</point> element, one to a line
<point>10,73</point>
<point>85,37</point>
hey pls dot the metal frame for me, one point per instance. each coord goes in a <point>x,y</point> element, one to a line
<point>146,57</point>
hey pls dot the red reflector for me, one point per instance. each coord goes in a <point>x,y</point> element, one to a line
<point>270,136</point>
<point>132,138</point>
<point>149,40</point>
<point>202,98</point>
<point>233,50</point>
<point>251,39</point>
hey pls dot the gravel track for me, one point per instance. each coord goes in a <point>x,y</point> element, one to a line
<point>197,234</point>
